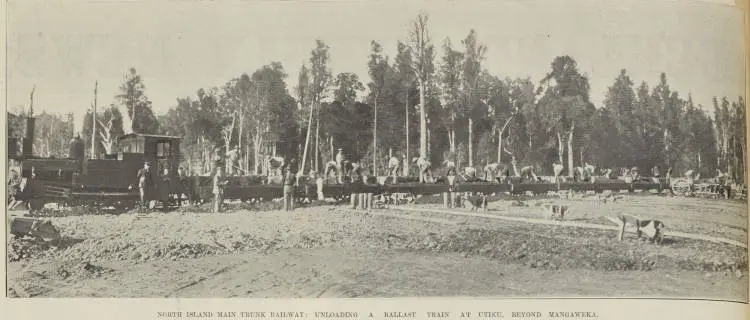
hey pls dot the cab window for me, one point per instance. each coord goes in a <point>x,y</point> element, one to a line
<point>163,149</point>
<point>132,146</point>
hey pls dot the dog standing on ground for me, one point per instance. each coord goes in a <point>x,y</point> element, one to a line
<point>555,211</point>
<point>474,201</point>
<point>652,229</point>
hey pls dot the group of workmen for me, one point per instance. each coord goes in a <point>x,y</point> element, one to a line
<point>351,172</point>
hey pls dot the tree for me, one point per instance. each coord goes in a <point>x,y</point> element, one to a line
<point>451,73</point>
<point>133,99</point>
<point>566,104</point>
<point>347,88</point>
<point>404,86</point>
<point>620,102</point>
<point>472,68</point>
<point>421,51</point>
<point>272,107</point>
<point>108,129</point>
<point>379,71</point>
<point>740,132</point>
<point>320,81</point>
<point>304,98</point>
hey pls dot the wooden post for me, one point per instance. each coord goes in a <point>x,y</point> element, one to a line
<point>361,197</point>
<point>446,199</point>
<point>369,200</point>
<point>622,231</point>
<point>354,200</point>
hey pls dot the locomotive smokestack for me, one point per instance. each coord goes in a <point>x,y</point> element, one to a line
<point>28,142</point>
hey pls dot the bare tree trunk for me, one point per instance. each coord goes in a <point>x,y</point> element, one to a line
<point>580,160</point>
<point>307,142</point>
<point>407,129</point>
<point>452,139</point>
<point>699,162</point>
<point>730,172</point>
<point>570,149</point>
<point>93,123</point>
<point>744,162</point>
<point>248,151</point>
<point>458,159</point>
<point>317,136</point>
<point>561,151</point>
<point>499,147</point>
<point>429,134</point>
<point>471,142</point>
<point>374,138</point>
<point>239,136</point>
<point>422,121</point>
<point>258,144</point>
<point>333,153</point>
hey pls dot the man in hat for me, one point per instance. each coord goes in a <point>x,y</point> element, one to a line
<point>290,180</point>
<point>490,171</point>
<point>275,166</point>
<point>339,166</point>
<point>145,183</point>
<point>425,174</point>
<point>219,182</point>
<point>234,161</point>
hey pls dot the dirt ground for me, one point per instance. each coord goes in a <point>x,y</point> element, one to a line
<point>332,251</point>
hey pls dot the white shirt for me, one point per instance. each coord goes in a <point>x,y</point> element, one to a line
<point>423,164</point>
<point>449,164</point>
<point>394,162</point>
<point>470,171</point>
<point>339,158</point>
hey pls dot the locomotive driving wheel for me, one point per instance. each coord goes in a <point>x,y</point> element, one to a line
<point>682,187</point>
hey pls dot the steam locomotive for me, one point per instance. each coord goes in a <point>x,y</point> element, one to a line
<point>77,180</point>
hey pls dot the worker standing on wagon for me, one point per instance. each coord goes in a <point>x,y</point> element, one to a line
<point>490,171</point>
<point>527,174</point>
<point>234,161</point>
<point>339,166</point>
<point>449,165</point>
<point>424,169</point>
<point>218,158</point>
<point>145,183</point>
<point>290,180</point>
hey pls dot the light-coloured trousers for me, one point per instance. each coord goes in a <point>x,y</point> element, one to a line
<point>288,198</point>
<point>218,201</point>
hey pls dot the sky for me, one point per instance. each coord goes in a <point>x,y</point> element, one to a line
<point>63,47</point>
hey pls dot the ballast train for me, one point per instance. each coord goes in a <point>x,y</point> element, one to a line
<point>77,180</point>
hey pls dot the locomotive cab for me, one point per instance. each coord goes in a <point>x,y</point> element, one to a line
<point>159,150</point>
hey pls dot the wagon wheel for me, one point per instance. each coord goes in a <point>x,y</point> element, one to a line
<point>682,187</point>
